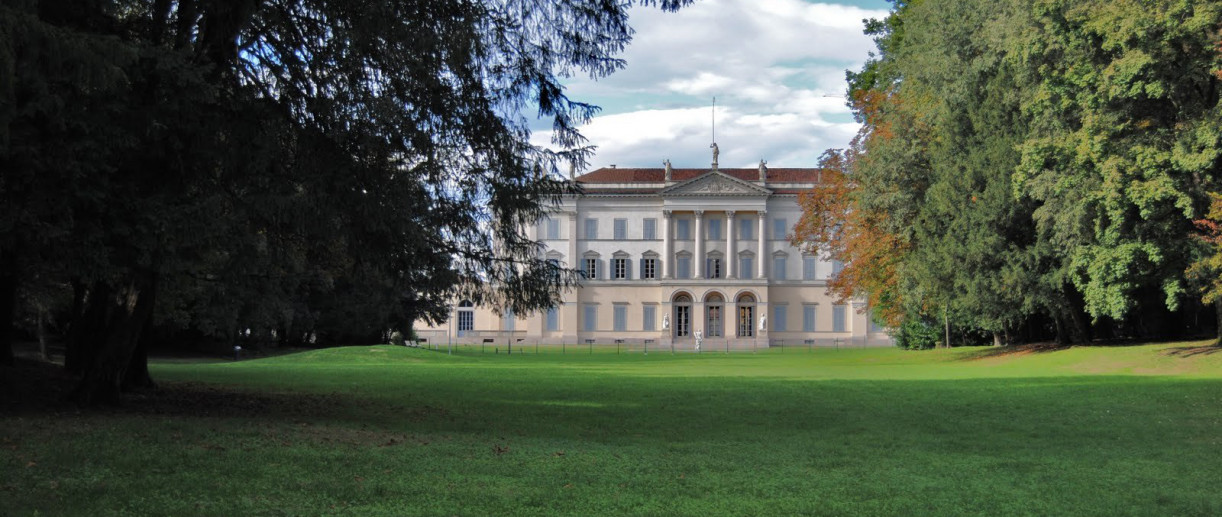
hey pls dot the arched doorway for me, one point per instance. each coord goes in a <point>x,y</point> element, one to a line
<point>714,315</point>
<point>746,315</point>
<point>683,315</point>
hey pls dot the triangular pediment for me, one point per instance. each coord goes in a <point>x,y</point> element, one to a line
<point>714,183</point>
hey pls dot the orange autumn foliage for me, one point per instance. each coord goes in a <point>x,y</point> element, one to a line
<point>832,224</point>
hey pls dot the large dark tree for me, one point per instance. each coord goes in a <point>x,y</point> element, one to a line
<point>242,159</point>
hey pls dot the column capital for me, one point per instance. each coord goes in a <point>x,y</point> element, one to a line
<point>763,214</point>
<point>729,214</point>
<point>666,214</point>
<point>699,213</point>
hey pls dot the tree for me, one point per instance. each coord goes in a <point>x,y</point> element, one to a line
<point>1029,162</point>
<point>243,143</point>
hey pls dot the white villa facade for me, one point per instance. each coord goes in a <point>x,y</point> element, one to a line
<point>679,255</point>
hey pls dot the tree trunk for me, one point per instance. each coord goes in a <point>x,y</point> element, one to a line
<point>42,334</point>
<point>946,321</point>
<point>1218,312</point>
<point>130,308</point>
<point>8,309</point>
<point>137,376</point>
<point>91,308</point>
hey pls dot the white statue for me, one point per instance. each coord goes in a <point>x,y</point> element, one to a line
<point>666,322</point>
<point>699,338</point>
<point>763,322</point>
<point>763,170</point>
<point>716,152</point>
<point>666,163</point>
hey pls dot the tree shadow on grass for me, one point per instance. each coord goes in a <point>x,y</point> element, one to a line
<point>36,388</point>
<point>1192,351</point>
<point>1013,351</point>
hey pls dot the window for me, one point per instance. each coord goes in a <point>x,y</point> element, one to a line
<point>714,307</point>
<point>620,317</point>
<point>808,268</point>
<point>778,267</point>
<point>620,228</point>
<point>683,230</point>
<point>780,314</point>
<point>619,268</point>
<point>508,320</point>
<point>874,325</point>
<point>649,268</point>
<point>838,318</point>
<point>808,318</point>
<point>466,321</point>
<point>591,268</point>
<point>552,229</point>
<point>713,268</point>
<point>683,316</point>
<point>746,315</point>
<point>590,322</point>
<point>683,267</point>
<point>714,229</point>
<point>649,317</point>
<point>649,229</point>
<point>837,266</point>
<point>780,227</point>
<point>745,269</point>
<point>553,319</point>
<point>591,229</point>
<point>745,229</point>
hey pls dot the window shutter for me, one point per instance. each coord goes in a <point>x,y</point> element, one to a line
<point>627,269</point>
<point>642,266</point>
<point>584,272</point>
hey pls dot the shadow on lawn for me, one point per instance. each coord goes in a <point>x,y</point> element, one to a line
<point>1192,351</point>
<point>1013,351</point>
<point>33,387</point>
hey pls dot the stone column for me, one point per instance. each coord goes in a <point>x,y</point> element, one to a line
<point>699,258</point>
<point>762,258</point>
<point>731,263</point>
<point>667,246</point>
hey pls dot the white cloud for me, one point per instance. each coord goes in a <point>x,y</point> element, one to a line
<point>772,66</point>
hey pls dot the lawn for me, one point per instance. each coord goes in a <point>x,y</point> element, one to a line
<point>394,431</point>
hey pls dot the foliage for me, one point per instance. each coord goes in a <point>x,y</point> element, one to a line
<point>918,334</point>
<point>285,164</point>
<point>1023,163</point>
<point>1207,271</point>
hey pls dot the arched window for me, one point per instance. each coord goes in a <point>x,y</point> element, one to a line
<point>714,319</point>
<point>746,315</point>
<point>683,315</point>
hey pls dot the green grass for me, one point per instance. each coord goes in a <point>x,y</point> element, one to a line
<point>393,431</point>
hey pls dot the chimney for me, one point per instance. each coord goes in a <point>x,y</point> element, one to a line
<point>613,166</point>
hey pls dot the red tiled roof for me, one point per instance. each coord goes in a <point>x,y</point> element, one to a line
<point>625,175</point>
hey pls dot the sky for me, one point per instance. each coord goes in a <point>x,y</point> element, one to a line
<point>776,68</point>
